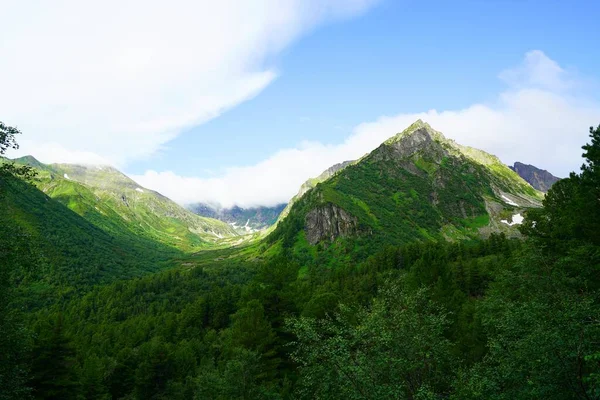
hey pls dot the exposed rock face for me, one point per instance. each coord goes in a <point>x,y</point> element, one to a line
<point>328,222</point>
<point>540,179</point>
<point>311,183</point>
<point>412,143</point>
<point>418,140</point>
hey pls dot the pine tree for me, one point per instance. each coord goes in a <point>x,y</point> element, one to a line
<point>53,367</point>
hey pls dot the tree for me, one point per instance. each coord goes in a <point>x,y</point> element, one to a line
<point>7,137</point>
<point>14,255</point>
<point>543,327</point>
<point>542,313</point>
<point>572,206</point>
<point>394,350</point>
<point>13,335</point>
<point>8,141</point>
<point>53,372</point>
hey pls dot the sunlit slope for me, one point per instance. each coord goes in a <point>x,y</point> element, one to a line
<point>416,185</point>
<point>63,249</point>
<point>117,204</point>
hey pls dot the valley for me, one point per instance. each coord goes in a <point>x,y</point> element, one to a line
<point>418,261</point>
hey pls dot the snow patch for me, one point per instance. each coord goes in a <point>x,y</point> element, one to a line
<point>509,201</point>
<point>67,176</point>
<point>139,190</point>
<point>517,219</point>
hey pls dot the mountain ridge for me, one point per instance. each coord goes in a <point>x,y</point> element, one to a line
<point>243,219</point>
<point>540,179</point>
<point>436,187</point>
<point>110,199</point>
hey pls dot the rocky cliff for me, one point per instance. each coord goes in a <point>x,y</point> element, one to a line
<point>329,222</point>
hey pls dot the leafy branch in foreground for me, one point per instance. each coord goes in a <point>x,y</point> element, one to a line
<point>8,141</point>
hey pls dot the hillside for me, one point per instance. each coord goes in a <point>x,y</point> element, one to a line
<point>115,203</point>
<point>67,252</point>
<point>417,184</point>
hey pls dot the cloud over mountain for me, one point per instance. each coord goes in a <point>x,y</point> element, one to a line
<point>540,118</point>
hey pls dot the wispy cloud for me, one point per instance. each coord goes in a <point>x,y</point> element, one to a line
<point>537,120</point>
<point>113,81</point>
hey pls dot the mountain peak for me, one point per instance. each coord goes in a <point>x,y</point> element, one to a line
<point>540,179</point>
<point>29,161</point>
<point>419,131</point>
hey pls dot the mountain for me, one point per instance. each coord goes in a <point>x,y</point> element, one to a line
<point>63,249</point>
<point>115,203</point>
<point>311,183</point>
<point>417,184</point>
<point>243,220</point>
<point>540,179</point>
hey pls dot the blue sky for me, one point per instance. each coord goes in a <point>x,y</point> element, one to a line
<point>400,56</point>
<point>310,84</point>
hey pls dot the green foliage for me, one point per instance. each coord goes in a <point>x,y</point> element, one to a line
<point>436,192</point>
<point>14,343</point>
<point>71,253</point>
<point>8,141</point>
<point>395,349</point>
<point>571,212</point>
<point>53,375</point>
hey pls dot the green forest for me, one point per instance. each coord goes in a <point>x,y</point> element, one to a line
<point>406,315</point>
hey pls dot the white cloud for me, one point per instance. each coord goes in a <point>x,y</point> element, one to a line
<point>538,71</point>
<point>535,120</point>
<point>113,81</point>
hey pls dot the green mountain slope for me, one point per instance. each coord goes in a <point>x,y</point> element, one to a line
<point>65,251</point>
<point>417,184</point>
<point>111,201</point>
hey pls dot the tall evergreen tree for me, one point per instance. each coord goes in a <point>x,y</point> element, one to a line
<point>53,368</point>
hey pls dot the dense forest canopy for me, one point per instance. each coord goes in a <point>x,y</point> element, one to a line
<point>494,318</point>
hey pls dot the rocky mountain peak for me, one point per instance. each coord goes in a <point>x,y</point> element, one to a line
<point>417,131</point>
<point>540,179</point>
<point>417,138</point>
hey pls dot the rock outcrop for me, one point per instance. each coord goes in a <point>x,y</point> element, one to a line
<point>329,222</point>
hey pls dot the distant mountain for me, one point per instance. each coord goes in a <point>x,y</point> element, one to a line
<point>417,184</point>
<point>540,179</point>
<point>243,220</point>
<point>115,203</point>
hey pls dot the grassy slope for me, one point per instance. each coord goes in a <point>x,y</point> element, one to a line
<point>70,252</point>
<point>115,203</point>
